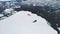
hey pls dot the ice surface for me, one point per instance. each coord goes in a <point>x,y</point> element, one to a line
<point>21,23</point>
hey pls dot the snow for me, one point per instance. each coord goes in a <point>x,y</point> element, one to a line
<point>5,0</point>
<point>52,3</point>
<point>21,23</point>
<point>8,10</point>
<point>1,15</point>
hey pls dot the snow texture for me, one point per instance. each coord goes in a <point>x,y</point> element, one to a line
<point>21,23</point>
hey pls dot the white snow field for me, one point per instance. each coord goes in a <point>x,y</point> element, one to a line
<point>21,23</point>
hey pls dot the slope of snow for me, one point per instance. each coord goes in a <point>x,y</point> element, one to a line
<point>21,23</point>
